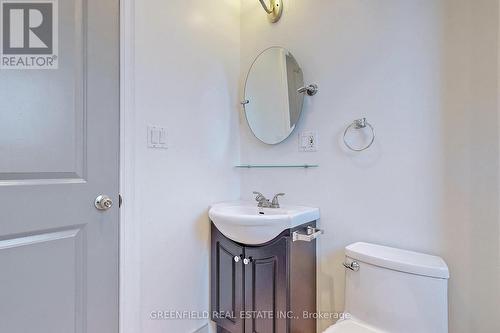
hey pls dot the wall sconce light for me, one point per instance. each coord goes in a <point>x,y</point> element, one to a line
<point>273,10</point>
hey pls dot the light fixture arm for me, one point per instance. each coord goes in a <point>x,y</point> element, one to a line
<point>263,3</point>
<point>273,8</point>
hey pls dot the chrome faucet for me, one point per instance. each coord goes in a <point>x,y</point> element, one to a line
<point>263,202</point>
<point>275,203</point>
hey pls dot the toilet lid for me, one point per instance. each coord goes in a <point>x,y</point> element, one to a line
<point>350,326</point>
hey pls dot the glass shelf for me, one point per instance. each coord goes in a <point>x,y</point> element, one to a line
<point>263,166</point>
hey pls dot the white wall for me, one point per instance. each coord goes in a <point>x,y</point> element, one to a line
<point>424,73</point>
<point>185,73</point>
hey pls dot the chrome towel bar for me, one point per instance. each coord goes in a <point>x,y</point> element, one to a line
<point>359,124</point>
<point>312,234</point>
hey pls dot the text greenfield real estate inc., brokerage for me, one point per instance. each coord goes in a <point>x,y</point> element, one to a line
<point>29,34</point>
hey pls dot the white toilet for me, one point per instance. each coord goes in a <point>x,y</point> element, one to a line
<point>393,290</point>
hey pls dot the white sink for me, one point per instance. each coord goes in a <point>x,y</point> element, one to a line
<point>245,223</point>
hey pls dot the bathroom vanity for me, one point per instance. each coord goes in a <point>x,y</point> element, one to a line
<point>258,283</point>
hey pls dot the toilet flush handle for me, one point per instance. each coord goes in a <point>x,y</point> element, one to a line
<point>353,266</point>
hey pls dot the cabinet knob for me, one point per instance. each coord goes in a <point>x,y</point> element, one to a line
<point>246,261</point>
<point>237,258</point>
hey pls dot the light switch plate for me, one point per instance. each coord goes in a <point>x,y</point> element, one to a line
<point>157,137</point>
<point>308,141</point>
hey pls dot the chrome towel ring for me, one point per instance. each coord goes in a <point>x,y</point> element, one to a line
<point>359,124</point>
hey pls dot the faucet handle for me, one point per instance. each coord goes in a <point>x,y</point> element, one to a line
<point>275,203</point>
<point>258,195</point>
<point>260,198</point>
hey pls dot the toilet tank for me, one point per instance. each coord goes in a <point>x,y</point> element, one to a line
<point>397,290</point>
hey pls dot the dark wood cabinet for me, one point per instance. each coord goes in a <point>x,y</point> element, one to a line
<point>227,283</point>
<point>265,288</point>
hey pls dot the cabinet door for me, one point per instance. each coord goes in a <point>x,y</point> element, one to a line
<point>266,288</point>
<point>227,283</point>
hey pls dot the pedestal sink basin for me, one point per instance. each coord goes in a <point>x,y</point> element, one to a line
<point>246,223</point>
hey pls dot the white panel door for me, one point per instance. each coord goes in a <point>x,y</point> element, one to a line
<point>59,150</point>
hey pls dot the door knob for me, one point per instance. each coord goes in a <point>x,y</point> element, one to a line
<point>237,258</point>
<point>246,261</point>
<point>103,202</point>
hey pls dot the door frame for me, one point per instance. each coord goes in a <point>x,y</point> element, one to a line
<point>130,275</point>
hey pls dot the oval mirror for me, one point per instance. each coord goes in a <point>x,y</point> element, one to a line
<point>274,95</point>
